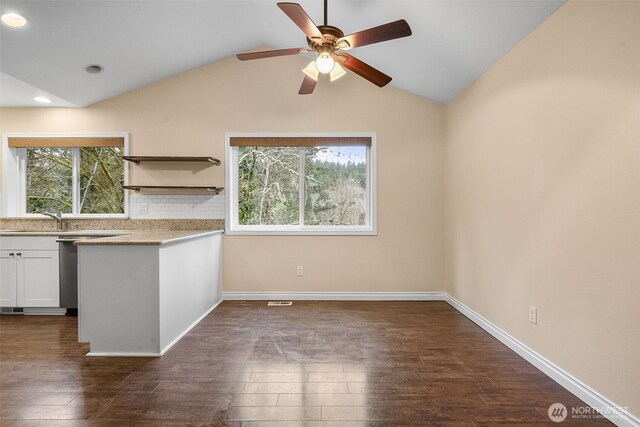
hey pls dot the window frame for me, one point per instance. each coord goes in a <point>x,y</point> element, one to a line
<point>14,202</point>
<point>231,193</point>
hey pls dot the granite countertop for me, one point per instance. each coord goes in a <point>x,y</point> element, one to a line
<point>96,233</point>
<point>120,237</point>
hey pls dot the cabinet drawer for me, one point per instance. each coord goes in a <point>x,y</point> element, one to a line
<point>39,243</point>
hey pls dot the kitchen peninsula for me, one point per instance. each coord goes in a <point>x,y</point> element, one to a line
<point>140,292</point>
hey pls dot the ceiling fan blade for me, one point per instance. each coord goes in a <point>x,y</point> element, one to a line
<point>362,69</point>
<point>308,85</point>
<point>271,53</point>
<point>381,33</point>
<point>301,19</point>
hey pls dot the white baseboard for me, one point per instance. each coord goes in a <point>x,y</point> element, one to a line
<point>44,311</point>
<point>610,410</point>
<point>164,350</point>
<point>109,354</point>
<point>335,296</point>
<point>179,337</point>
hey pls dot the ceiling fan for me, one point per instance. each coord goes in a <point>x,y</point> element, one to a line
<point>330,43</point>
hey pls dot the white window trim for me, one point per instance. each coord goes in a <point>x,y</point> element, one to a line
<point>231,193</point>
<point>13,183</point>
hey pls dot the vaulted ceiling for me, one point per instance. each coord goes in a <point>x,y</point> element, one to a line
<point>140,42</point>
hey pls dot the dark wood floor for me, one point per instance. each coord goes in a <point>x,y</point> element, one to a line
<point>315,363</point>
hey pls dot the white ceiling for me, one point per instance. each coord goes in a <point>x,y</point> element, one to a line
<point>140,42</point>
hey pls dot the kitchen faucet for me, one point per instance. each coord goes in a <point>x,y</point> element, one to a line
<point>57,216</point>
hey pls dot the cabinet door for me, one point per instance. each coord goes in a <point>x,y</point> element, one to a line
<point>7,279</point>
<point>37,278</point>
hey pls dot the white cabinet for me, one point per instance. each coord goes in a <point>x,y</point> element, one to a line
<point>29,272</point>
<point>37,279</point>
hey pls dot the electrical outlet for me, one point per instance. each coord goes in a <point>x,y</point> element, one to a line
<point>300,270</point>
<point>533,315</point>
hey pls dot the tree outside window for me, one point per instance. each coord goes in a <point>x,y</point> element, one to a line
<point>49,180</point>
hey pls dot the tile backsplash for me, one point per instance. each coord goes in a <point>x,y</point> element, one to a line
<point>173,212</point>
<point>176,206</point>
<point>165,206</point>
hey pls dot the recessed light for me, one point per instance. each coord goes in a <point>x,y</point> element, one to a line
<point>94,68</point>
<point>13,20</point>
<point>42,99</point>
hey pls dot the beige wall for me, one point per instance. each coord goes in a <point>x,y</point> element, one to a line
<point>189,115</point>
<point>543,194</point>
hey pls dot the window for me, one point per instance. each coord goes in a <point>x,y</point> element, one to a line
<point>76,175</point>
<point>49,180</point>
<point>301,184</point>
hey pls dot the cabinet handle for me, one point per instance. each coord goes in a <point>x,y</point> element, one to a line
<point>11,254</point>
<point>19,254</point>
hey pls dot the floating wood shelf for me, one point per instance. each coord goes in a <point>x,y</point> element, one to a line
<point>138,159</point>
<point>137,188</point>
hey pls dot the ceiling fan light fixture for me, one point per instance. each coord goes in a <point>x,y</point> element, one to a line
<point>311,70</point>
<point>325,63</point>
<point>337,72</point>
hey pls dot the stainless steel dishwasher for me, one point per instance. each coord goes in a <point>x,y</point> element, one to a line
<point>68,256</point>
<point>68,259</point>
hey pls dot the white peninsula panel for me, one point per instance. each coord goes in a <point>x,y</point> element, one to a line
<point>139,297</point>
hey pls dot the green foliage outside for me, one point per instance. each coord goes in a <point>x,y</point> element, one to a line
<point>269,183</point>
<point>50,180</point>
<point>334,190</point>
<point>101,179</point>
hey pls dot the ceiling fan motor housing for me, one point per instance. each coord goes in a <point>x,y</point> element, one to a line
<point>331,35</point>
